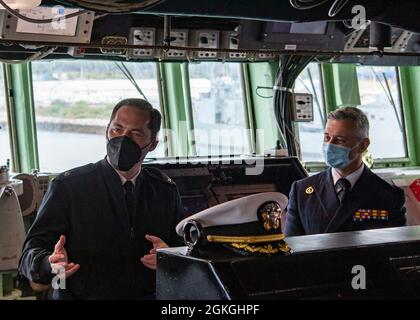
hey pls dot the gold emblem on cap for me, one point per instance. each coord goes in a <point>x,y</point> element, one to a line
<point>270,214</point>
<point>271,219</point>
<point>267,249</point>
<point>309,190</point>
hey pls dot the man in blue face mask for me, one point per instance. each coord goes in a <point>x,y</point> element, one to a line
<point>348,196</point>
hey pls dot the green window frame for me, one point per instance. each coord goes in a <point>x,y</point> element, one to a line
<point>20,106</point>
<point>409,109</point>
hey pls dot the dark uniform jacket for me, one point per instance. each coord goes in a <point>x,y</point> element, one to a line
<point>87,205</point>
<point>314,206</point>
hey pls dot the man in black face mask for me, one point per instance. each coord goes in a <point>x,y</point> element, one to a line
<point>100,225</point>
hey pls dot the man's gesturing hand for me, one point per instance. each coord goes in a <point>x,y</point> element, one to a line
<point>59,259</point>
<point>149,260</point>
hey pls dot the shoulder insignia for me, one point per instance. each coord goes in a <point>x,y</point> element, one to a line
<point>80,171</point>
<point>159,175</point>
<point>167,179</point>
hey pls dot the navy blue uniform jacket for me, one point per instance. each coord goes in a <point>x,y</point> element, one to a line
<point>314,207</point>
<point>87,205</point>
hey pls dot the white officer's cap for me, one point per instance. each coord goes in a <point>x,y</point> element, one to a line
<point>248,225</point>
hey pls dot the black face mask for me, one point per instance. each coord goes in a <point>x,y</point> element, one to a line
<point>123,153</point>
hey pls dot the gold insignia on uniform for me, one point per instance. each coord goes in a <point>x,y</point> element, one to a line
<point>370,214</point>
<point>309,190</point>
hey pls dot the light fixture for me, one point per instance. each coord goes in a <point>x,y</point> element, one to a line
<point>21,4</point>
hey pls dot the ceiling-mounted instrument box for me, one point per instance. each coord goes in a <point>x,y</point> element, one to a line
<point>77,29</point>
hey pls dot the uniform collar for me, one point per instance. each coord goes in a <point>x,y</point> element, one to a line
<point>352,178</point>
<point>122,178</point>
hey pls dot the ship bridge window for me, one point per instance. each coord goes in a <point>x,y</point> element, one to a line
<point>311,134</point>
<point>379,91</point>
<point>73,103</point>
<point>5,152</point>
<point>219,113</point>
<point>380,100</point>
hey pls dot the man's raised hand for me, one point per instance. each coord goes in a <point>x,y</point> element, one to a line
<point>59,259</point>
<point>149,260</point>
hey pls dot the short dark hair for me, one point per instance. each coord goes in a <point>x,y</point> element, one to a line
<point>141,104</point>
<point>358,117</point>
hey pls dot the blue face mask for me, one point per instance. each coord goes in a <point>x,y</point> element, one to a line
<point>337,156</point>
